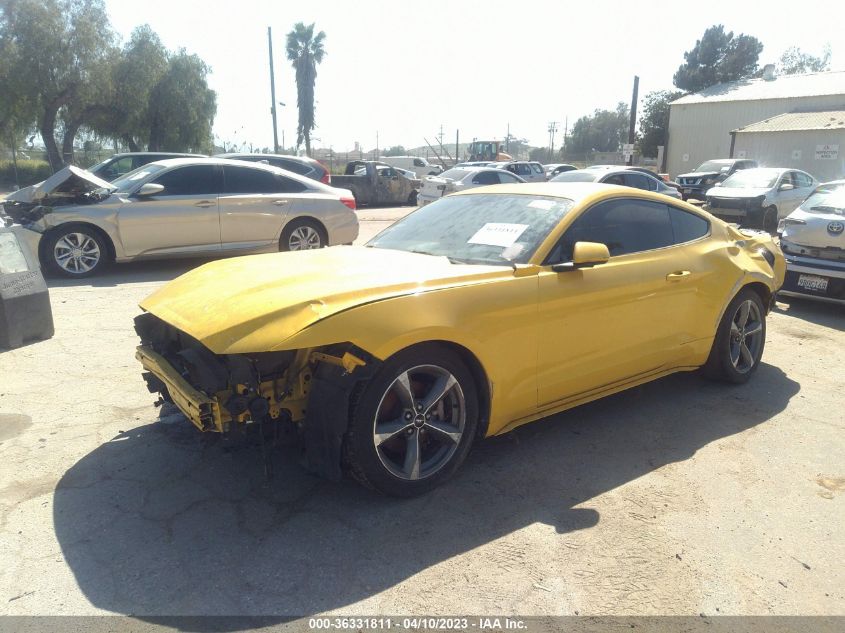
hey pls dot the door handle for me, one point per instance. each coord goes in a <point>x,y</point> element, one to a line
<point>204,204</point>
<point>677,275</point>
<point>280,203</point>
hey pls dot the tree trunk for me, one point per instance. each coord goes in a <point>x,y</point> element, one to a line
<point>307,144</point>
<point>47,129</point>
<point>71,128</point>
<point>131,144</point>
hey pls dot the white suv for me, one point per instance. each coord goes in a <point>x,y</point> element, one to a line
<point>420,166</point>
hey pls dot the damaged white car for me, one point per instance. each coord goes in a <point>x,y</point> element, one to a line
<point>181,207</point>
<point>813,242</point>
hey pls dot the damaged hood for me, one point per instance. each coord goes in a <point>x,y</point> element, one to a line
<point>222,303</point>
<point>69,182</point>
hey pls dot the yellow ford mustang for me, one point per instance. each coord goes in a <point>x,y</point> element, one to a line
<point>469,317</point>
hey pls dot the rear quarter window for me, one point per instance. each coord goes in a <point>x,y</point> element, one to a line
<point>686,226</point>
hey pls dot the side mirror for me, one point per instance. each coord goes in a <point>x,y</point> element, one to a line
<point>150,189</point>
<point>786,187</point>
<point>718,184</point>
<point>585,255</point>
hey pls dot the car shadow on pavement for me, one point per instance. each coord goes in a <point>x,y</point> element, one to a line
<point>160,521</point>
<point>821,313</point>
<point>132,272</point>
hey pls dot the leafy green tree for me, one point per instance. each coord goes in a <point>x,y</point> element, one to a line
<point>718,57</point>
<point>794,61</point>
<point>305,51</point>
<point>182,107</point>
<point>61,45</point>
<point>604,131</point>
<point>654,122</point>
<point>18,102</point>
<point>140,66</point>
<point>396,150</point>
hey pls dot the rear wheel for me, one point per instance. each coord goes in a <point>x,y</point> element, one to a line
<point>739,341</point>
<point>412,199</point>
<point>414,423</point>
<point>301,235</point>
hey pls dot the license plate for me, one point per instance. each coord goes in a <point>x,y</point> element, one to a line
<point>811,282</point>
<point>687,190</point>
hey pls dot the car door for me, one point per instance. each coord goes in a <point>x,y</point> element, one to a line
<point>537,173</point>
<point>183,218</point>
<point>254,203</point>
<point>619,321</point>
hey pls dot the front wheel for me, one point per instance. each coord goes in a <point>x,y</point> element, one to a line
<point>412,198</point>
<point>75,251</point>
<point>414,423</point>
<point>770,220</point>
<point>740,338</point>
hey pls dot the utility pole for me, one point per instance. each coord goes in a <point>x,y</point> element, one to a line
<point>273,91</point>
<point>552,130</point>
<point>565,132</point>
<point>633,122</point>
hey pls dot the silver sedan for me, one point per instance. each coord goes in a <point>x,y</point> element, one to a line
<point>177,208</point>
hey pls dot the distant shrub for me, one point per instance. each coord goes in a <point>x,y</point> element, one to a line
<point>29,172</point>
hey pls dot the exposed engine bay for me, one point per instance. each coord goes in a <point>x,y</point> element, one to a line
<point>68,186</point>
<point>271,390</point>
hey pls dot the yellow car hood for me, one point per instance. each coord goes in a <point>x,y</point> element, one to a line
<point>222,303</point>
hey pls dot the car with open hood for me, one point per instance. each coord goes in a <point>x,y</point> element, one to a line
<point>471,316</point>
<point>813,242</point>
<point>760,197</point>
<point>182,207</point>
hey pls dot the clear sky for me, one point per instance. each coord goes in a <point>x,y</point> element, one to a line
<point>403,69</point>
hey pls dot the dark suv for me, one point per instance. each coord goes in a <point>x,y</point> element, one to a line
<point>696,183</point>
<point>302,165</point>
<point>119,164</point>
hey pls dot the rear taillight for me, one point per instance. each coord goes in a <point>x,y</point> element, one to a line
<point>349,202</point>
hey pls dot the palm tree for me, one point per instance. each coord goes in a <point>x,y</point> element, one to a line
<point>305,51</point>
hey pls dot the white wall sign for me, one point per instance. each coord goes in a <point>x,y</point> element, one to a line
<point>685,158</point>
<point>827,152</point>
<point>796,154</point>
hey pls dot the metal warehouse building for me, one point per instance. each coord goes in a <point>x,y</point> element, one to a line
<point>710,123</point>
<point>812,141</point>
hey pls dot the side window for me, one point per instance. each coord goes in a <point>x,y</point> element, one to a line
<point>487,178</point>
<point>624,226</point>
<point>523,170</point>
<point>687,226</point>
<point>418,163</point>
<point>638,181</point>
<point>194,180</point>
<point>786,179</point>
<point>246,180</point>
<point>537,169</point>
<point>613,179</point>
<point>802,180</point>
<point>505,177</point>
<point>290,165</point>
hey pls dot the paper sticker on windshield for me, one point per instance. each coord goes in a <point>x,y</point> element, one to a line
<point>498,234</point>
<point>542,204</point>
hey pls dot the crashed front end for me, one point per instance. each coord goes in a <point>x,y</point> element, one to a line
<point>226,393</point>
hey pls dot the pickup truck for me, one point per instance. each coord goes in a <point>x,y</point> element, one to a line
<point>373,182</point>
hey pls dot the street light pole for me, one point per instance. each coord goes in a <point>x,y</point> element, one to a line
<point>273,92</point>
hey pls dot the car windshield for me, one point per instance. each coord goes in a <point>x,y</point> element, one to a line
<point>128,181</point>
<point>826,199</point>
<point>752,179</point>
<point>580,175</point>
<point>491,229</point>
<point>712,165</point>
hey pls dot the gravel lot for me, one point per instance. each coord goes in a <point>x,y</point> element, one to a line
<point>679,497</point>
